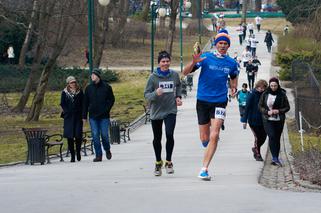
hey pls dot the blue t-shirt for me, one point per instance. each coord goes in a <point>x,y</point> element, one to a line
<point>212,82</point>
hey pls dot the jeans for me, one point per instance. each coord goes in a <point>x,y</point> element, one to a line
<point>99,128</point>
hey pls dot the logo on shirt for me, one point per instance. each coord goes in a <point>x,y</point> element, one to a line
<point>226,70</point>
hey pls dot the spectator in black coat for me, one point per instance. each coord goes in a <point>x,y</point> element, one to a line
<point>268,40</point>
<point>71,103</point>
<point>253,117</point>
<point>98,101</point>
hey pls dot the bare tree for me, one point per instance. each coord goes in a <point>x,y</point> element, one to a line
<point>172,25</point>
<point>41,35</point>
<point>258,5</point>
<point>119,21</point>
<point>30,29</point>
<point>62,24</point>
<point>146,9</point>
<point>244,10</point>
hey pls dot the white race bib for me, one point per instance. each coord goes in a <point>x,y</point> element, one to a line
<point>220,113</point>
<point>167,86</point>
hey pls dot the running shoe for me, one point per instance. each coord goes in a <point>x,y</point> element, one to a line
<point>204,175</point>
<point>169,167</point>
<point>276,162</point>
<point>158,168</point>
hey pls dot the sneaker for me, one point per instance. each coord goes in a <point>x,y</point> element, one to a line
<point>158,168</point>
<point>169,168</point>
<point>204,175</point>
<point>255,152</point>
<point>108,155</point>
<point>259,158</point>
<point>276,162</point>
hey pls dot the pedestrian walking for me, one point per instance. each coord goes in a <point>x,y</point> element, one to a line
<point>163,92</point>
<point>98,101</point>
<point>253,45</point>
<point>250,71</point>
<point>214,21</point>
<point>244,30</point>
<point>273,106</point>
<point>256,63</point>
<point>239,30</point>
<point>241,98</point>
<point>71,103</point>
<point>268,40</point>
<point>247,42</point>
<point>253,117</point>
<point>212,94</point>
<point>246,56</point>
<point>10,54</point>
<point>258,21</point>
<point>250,26</point>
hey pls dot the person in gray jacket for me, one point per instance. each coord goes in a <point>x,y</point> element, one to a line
<point>163,93</point>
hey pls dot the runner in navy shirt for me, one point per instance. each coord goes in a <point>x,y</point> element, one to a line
<point>212,91</point>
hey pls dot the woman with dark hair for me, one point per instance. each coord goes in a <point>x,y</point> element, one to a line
<point>268,40</point>
<point>253,117</point>
<point>273,106</point>
<point>163,92</point>
<point>71,103</point>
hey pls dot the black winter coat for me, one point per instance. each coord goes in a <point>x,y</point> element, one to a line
<point>281,103</point>
<point>252,114</point>
<point>268,39</point>
<point>72,114</point>
<point>98,100</point>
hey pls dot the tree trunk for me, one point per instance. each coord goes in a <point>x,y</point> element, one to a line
<point>40,45</point>
<point>194,9</point>
<point>258,5</point>
<point>24,48</point>
<point>64,29</point>
<point>120,21</point>
<point>172,26</point>
<point>146,10</point>
<point>101,29</point>
<point>211,6</point>
<point>244,10</point>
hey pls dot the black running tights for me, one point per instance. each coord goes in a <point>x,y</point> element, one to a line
<point>170,122</point>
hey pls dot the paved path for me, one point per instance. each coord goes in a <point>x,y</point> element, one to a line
<point>126,183</point>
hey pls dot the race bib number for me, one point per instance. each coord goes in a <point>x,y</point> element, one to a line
<point>220,113</point>
<point>250,73</point>
<point>167,86</point>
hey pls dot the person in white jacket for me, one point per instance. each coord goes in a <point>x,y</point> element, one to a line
<point>254,42</point>
<point>258,21</point>
<point>10,53</point>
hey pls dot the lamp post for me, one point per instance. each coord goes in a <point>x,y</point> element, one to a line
<point>161,13</point>
<point>90,29</point>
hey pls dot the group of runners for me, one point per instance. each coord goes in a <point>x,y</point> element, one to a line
<point>217,68</point>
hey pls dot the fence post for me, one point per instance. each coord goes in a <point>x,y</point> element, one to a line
<point>301,131</point>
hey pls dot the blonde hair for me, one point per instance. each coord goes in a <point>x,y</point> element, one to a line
<point>261,83</point>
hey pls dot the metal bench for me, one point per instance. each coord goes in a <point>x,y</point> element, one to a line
<point>54,140</point>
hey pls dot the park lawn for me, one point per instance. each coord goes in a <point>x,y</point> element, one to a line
<point>310,141</point>
<point>128,106</point>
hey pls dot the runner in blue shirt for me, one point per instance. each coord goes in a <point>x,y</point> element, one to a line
<point>212,94</point>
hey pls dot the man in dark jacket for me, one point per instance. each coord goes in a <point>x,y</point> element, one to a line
<point>98,101</point>
<point>251,73</point>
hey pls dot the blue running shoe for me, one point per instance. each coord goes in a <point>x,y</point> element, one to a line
<point>204,175</point>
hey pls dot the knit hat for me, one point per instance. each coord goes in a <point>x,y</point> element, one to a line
<point>222,37</point>
<point>274,79</point>
<point>163,54</point>
<point>70,79</point>
<point>97,72</point>
<point>223,31</point>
